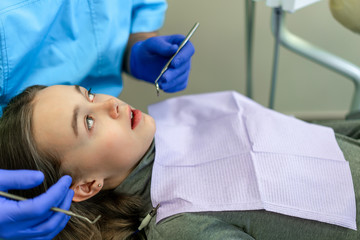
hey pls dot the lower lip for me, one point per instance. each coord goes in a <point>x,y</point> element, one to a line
<point>136,119</point>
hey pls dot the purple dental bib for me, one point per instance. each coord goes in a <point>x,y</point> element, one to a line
<point>224,152</point>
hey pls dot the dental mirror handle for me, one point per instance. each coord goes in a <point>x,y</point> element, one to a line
<point>182,44</point>
<point>55,209</point>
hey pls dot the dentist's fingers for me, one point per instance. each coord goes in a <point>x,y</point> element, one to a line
<point>40,206</point>
<point>19,179</point>
<point>52,226</point>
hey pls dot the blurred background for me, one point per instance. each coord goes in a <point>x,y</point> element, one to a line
<point>304,89</point>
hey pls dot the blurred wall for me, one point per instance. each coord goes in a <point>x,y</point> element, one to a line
<point>304,89</point>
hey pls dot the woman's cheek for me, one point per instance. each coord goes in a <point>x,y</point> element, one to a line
<point>112,140</point>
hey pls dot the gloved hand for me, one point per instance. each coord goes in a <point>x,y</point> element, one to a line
<point>148,57</point>
<point>33,219</point>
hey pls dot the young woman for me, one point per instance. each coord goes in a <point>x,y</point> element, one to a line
<point>107,147</point>
<point>46,129</point>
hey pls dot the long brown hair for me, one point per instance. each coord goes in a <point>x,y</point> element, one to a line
<point>18,150</point>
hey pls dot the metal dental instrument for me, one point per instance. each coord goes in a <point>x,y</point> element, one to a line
<point>55,209</point>
<point>188,36</point>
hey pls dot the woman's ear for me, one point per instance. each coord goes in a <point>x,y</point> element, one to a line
<point>86,190</point>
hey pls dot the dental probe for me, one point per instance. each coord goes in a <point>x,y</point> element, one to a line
<point>55,209</point>
<point>182,44</point>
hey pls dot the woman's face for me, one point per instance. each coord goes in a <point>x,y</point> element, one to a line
<point>97,136</point>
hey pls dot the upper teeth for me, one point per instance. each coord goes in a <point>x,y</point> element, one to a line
<point>132,115</point>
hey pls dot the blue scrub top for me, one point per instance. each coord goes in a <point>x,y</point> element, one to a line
<point>80,42</point>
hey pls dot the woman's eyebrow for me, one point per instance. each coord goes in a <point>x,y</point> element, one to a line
<point>77,88</point>
<point>74,120</point>
<point>76,113</point>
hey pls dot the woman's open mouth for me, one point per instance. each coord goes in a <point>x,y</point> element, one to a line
<point>135,117</point>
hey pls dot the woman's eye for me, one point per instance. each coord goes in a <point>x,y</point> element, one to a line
<point>90,95</point>
<point>89,122</point>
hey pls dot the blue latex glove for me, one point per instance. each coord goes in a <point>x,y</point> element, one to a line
<point>33,219</point>
<point>148,57</point>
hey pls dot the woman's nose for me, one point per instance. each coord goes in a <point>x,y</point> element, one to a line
<point>111,106</point>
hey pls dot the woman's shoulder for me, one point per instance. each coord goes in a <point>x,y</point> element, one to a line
<point>195,226</point>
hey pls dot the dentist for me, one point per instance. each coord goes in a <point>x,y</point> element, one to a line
<point>84,42</point>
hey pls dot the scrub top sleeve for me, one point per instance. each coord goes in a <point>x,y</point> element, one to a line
<point>148,15</point>
<point>195,227</point>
